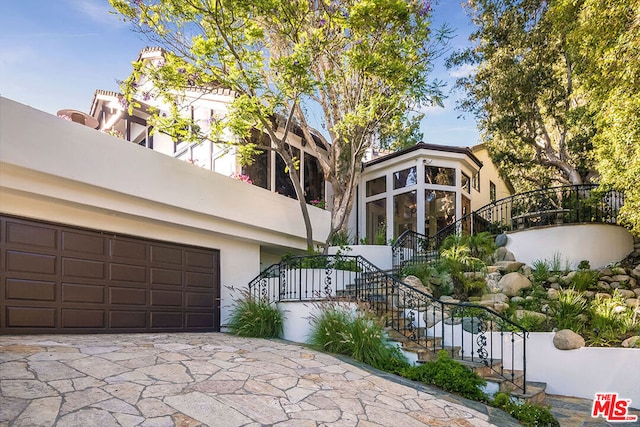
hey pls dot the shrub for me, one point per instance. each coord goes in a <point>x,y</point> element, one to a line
<point>449,375</point>
<point>255,318</point>
<point>584,279</point>
<point>532,323</point>
<point>610,319</point>
<point>568,308</point>
<point>540,271</point>
<point>336,329</point>
<point>584,265</point>
<point>528,414</point>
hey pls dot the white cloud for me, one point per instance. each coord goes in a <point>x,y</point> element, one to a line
<point>463,71</point>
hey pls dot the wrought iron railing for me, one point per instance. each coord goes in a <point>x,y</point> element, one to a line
<point>551,206</point>
<point>470,332</point>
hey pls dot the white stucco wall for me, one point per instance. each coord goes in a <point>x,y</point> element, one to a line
<point>488,173</point>
<point>59,171</point>
<point>600,244</point>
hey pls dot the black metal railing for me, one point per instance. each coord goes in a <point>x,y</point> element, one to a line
<point>570,204</point>
<point>469,332</point>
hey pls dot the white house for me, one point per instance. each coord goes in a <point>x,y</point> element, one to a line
<point>102,234</point>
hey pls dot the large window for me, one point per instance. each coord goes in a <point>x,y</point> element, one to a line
<point>475,181</point>
<point>377,221</point>
<point>439,210</point>
<point>439,175</point>
<point>313,179</point>
<point>466,183</point>
<point>404,212</point>
<point>405,178</point>
<point>259,170</point>
<point>376,186</point>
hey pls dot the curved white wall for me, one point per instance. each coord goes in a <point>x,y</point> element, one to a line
<point>600,244</point>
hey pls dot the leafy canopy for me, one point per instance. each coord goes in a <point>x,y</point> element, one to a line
<point>358,68</point>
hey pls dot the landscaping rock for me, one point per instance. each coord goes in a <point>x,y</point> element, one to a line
<point>636,272</point>
<point>566,339</point>
<point>606,272</point>
<point>492,269</point>
<point>415,282</point>
<point>553,294</point>
<point>501,240</point>
<point>500,307</point>
<point>495,298</point>
<point>555,286</point>
<point>637,291</point>
<point>602,295</point>
<point>626,293</point>
<point>502,254</point>
<point>633,342</point>
<point>603,285</point>
<point>632,302</point>
<point>519,314</point>
<point>448,298</point>
<point>614,285</point>
<point>618,270</point>
<point>589,294</point>
<point>621,278</point>
<point>517,300</point>
<point>508,266</point>
<point>512,283</point>
<point>473,275</point>
<point>473,325</point>
<point>432,317</point>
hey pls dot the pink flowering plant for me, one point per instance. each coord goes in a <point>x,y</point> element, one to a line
<point>319,203</point>
<point>241,177</point>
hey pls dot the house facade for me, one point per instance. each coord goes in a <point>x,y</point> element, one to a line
<point>128,230</point>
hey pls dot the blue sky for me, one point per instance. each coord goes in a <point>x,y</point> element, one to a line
<point>55,54</point>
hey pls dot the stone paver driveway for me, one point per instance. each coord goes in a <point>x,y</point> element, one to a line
<point>208,379</point>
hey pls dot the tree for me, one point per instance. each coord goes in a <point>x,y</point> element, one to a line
<point>607,39</point>
<point>362,65</point>
<point>536,126</point>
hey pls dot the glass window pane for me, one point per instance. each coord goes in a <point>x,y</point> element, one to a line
<point>475,181</point>
<point>492,191</point>
<point>439,210</point>
<point>439,175</point>
<point>376,186</point>
<point>313,180</point>
<point>404,212</point>
<point>466,183</point>
<point>258,171</point>
<point>405,178</point>
<point>377,222</point>
<point>284,185</point>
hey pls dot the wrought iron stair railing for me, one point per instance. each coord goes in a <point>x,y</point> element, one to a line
<point>571,204</point>
<point>473,333</point>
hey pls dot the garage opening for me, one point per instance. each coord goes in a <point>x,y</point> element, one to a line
<point>61,279</point>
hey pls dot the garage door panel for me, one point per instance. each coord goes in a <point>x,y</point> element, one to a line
<point>76,318</point>
<point>62,279</point>
<point>200,259</point>
<point>17,289</point>
<point>27,262</point>
<point>199,320</point>
<point>31,235</point>
<point>75,292</point>
<point>83,268</point>
<point>83,243</point>
<point>166,298</point>
<point>121,295</point>
<point>162,276</point>
<point>197,299</point>
<point>166,255</point>
<point>165,319</point>
<point>30,317</point>
<point>201,280</point>
<point>128,249</point>
<point>127,273</point>
<point>128,319</point>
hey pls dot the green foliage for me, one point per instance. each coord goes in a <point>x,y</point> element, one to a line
<point>341,238</point>
<point>610,320</point>
<point>449,375</point>
<point>534,124</point>
<point>569,309</point>
<point>363,65</point>
<point>583,280</point>
<point>336,329</point>
<point>529,415</point>
<point>532,323</point>
<point>584,265</point>
<point>380,237</point>
<point>540,271</point>
<point>251,317</point>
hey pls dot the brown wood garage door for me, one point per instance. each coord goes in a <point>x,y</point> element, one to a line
<point>59,279</point>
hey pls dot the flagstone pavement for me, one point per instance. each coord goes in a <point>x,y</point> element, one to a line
<point>211,379</point>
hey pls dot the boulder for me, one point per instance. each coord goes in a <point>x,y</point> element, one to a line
<point>566,339</point>
<point>512,283</point>
<point>416,283</point>
<point>632,302</point>
<point>604,285</point>
<point>602,295</point>
<point>618,270</point>
<point>448,298</point>
<point>553,294</point>
<point>636,272</point>
<point>517,300</point>
<point>508,266</point>
<point>501,240</point>
<point>492,269</point>
<point>606,272</point>
<point>632,342</point>
<point>433,317</point>
<point>626,293</point>
<point>500,307</point>
<point>622,278</point>
<point>473,325</point>
<point>519,314</point>
<point>495,298</point>
<point>637,291</point>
